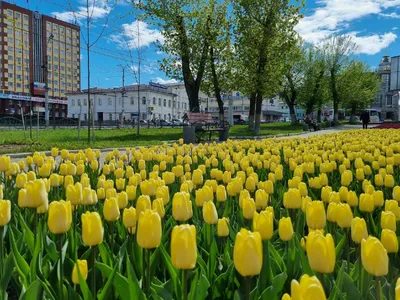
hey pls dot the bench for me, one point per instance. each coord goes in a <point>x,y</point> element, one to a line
<point>204,123</point>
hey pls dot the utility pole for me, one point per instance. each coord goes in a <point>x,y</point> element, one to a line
<point>88,66</point>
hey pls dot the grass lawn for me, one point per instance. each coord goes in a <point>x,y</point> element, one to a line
<point>13,140</point>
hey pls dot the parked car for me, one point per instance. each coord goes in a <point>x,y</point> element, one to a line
<point>176,122</point>
<point>164,123</point>
<point>239,119</point>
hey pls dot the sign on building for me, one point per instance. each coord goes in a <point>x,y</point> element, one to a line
<point>39,88</point>
<point>395,74</point>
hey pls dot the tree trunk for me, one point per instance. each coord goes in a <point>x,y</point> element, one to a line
<point>309,107</point>
<point>252,111</point>
<point>319,115</point>
<point>335,97</point>
<point>258,114</point>
<point>217,89</point>
<point>353,117</point>
<point>290,101</point>
<point>292,112</point>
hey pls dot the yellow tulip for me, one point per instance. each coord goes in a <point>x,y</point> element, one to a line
<point>321,252</point>
<point>366,203</point>
<point>33,195</point>
<point>250,184</point>
<point>285,229</point>
<point>44,170</point>
<point>122,199</point>
<point>389,241</point>
<point>360,174</point>
<point>31,176</point>
<point>304,203</point>
<point>92,229</point>
<point>184,247</point>
<point>344,215</point>
<point>120,184</point>
<point>83,270</point>
<point>131,192</point>
<point>278,174</point>
<point>323,179</point>
<point>68,180</point>
<point>158,206</point>
<point>393,206</point>
<point>60,217</point>
<point>148,187</point>
<point>248,208</point>
<point>197,177</point>
<point>389,181</point>
<point>358,230</point>
<point>210,214</point>
<point>347,178</point>
<point>71,168</point>
<point>388,220</point>
<point>221,193</point>
<point>325,193</point>
<point>352,199</point>
<point>142,204</point>
<point>374,257</point>
<point>119,173</point>
<point>5,212</point>
<point>74,193</point>
<point>263,223</point>
<point>331,214</point>
<point>378,180</point>
<point>303,189</point>
<point>4,163</point>
<point>309,288</point>
<point>29,160</point>
<point>378,198</point>
<point>247,253</point>
<point>129,219</point>
<point>163,193</point>
<point>149,230</point>
<point>292,199</point>
<point>315,215</point>
<point>261,199</point>
<point>87,198</point>
<point>182,207</point>
<point>168,177</point>
<point>223,227</point>
<point>21,179</point>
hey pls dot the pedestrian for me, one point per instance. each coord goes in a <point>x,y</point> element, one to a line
<point>364,118</point>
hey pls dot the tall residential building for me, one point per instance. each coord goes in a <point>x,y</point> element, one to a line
<point>36,52</point>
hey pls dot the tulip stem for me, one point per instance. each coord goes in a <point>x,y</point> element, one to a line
<point>348,249</point>
<point>148,278</point>
<point>1,251</point>
<point>61,266</point>
<point>93,254</point>
<point>112,237</point>
<point>248,287</point>
<point>5,185</point>
<point>185,285</point>
<point>377,288</point>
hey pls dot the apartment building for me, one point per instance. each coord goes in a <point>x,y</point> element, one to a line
<point>37,52</point>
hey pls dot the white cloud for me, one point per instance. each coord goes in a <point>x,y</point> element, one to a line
<point>373,44</point>
<point>392,15</point>
<point>334,16</point>
<point>395,28</point>
<point>98,9</point>
<point>137,34</point>
<point>164,81</point>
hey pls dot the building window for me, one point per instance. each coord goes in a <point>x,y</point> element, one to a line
<point>84,102</point>
<point>110,117</point>
<point>159,101</point>
<point>174,104</point>
<point>17,15</point>
<point>73,116</point>
<point>10,13</point>
<point>154,100</point>
<point>144,100</point>
<point>73,102</point>
<point>169,103</point>
<point>10,67</point>
<point>85,116</point>
<point>100,102</point>
<point>25,18</point>
<point>165,103</point>
<point>178,104</point>
<point>79,102</point>
<point>10,84</point>
<point>132,101</point>
<point>165,116</point>
<point>109,102</point>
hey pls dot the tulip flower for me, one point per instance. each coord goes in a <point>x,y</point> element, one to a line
<point>344,215</point>
<point>201,197</point>
<point>360,174</point>
<point>309,288</point>
<point>323,180</point>
<point>131,192</point>
<point>60,217</point>
<point>315,215</point>
<point>111,210</point>
<point>92,229</point>
<point>182,207</point>
<point>378,180</point>
<point>158,206</point>
<point>184,247</point>
<point>248,208</point>
<point>292,199</point>
<point>4,163</point>
<point>247,253</point>
<point>223,227</point>
<point>331,214</point>
<point>263,223</point>
<point>389,241</point>
<point>74,193</point>
<point>122,199</point>
<point>210,214</point>
<point>388,220</point>
<point>374,257</point>
<point>243,195</point>
<point>129,219</point>
<point>352,199</point>
<point>393,206</point>
<point>163,193</point>
<point>261,199</point>
<point>143,203</point>
<point>149,229</point>
<point>366,203</point>
<point>221,193</point>
<point>83,270</point>
<point>285,229</point>
<point>321,252</point>
<point>197,177</point>
<point>325,193</point>
<point>5,213</point>
<point>378,198</point>
<point>346,178</point>
<point>250,184</point>
<point>389,181</point>
<point>303,189</point>
<point>87,196</point>
<point>168,177</point>
<point>34,194</point>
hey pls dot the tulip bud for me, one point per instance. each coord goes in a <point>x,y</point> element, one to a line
<point>325,193</point>
<point>21,179</point>
<point>34,195</point>
<point>182,207</point>
<point>263,223</point>
<point>323,179</point>
<point>358,230</point>
<point>247,253</point>
<point>129,219</point>
<point>261,199</point>
<point>223,227</point>
<point>221,193</point>
<point>92,229</point>
<point>347,178</point>
<point>389,241</point>
<point>309,288</point>
<point>292,199</point>
<point>83,270</point>
<point>388,220</point>
<point>321,252</point>
<point>315,215</point>
<point>158,206</point>
<point>393,206</point>
<point>184,247</point>
<point>331,213</point>
<point>248,208</point>
<point>389,181</point>
<point>378,180</point>
<point>374,257</point>
<point>366,203</point>
<point>285,229</point>
<point>5,212</point>
<point>344,215</point>
<point>149,229</point>
<point>360,174</point>
<point>210,214</point>
<point>122,199</point>
<point>111,210</point>
<point>378,198</point>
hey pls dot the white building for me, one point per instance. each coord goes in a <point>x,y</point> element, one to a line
<point>156,101</point>
<point>272,110</point>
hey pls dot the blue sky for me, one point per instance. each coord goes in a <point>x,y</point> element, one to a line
<point>374,25</point>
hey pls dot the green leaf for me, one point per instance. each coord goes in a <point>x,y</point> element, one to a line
<point>161,292</point>
<point>134,287</point>
<point>199,287</point>
<point>120,282</point>
<point>349,288</point>
<point>38,246</point>
<point>33,292</point>
<point>265,276</point>
<point>51,249</point>
<point>7,273</point>
<point>212,260</point>
<point>105,254</point>
<point>20,262</point>
<point>337,290</point>
<point>106,290</point>
<point>303,259</point>
<point>221,282</point>
<point>28,234</point>
<point>277,258</point>
<point>87,294</point>
<point>172,271</point>
<point>339,247</point>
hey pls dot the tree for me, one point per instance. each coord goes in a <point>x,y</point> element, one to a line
<point>265,36</point>
<point>357,87</point>
<point>186,26</point>
<point>338,49</point>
